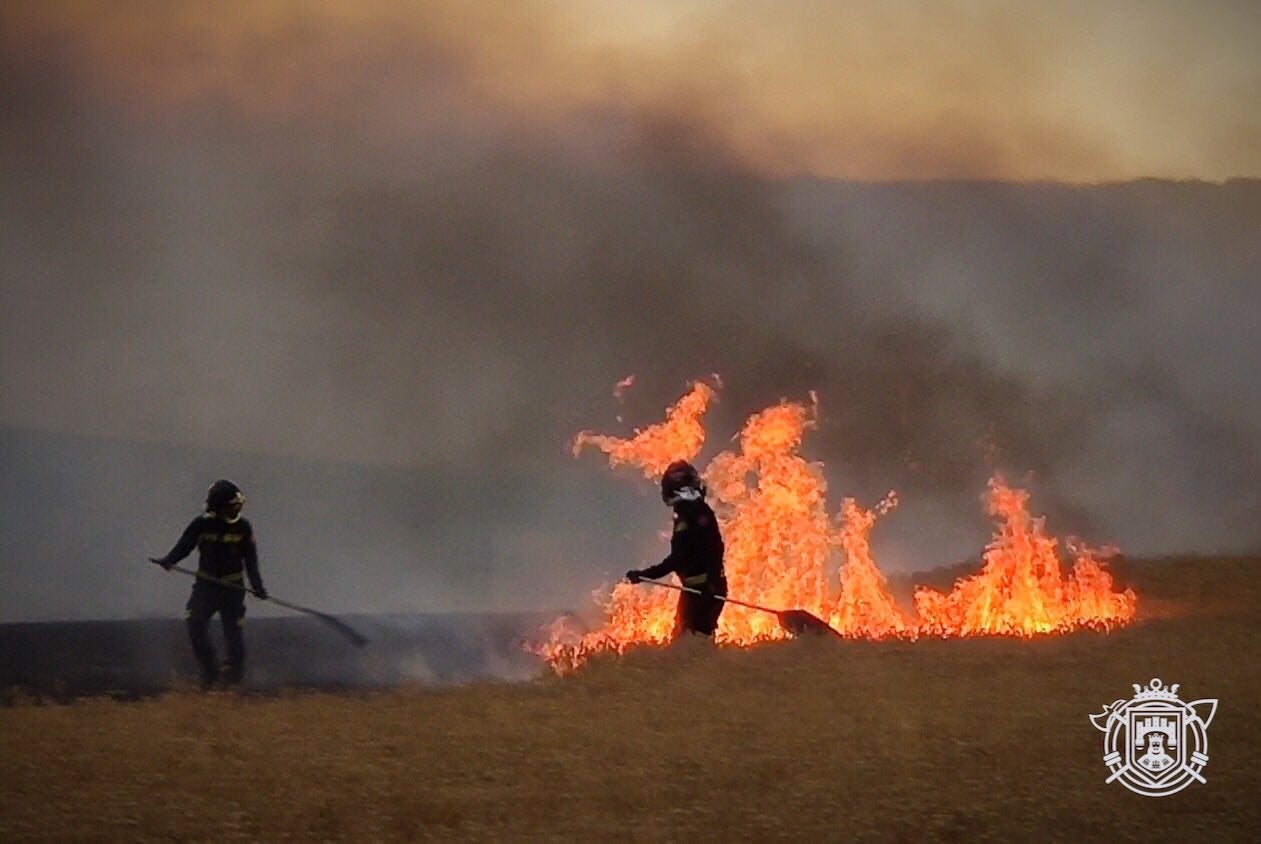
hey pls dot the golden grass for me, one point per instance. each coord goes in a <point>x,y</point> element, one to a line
<point>978,740</point>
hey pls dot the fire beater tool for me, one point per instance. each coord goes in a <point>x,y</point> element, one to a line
<point>796,622</point>
<point>349,633</point>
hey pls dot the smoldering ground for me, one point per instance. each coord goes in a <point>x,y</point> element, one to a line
<point>341,268</point>
<point>130,659</point>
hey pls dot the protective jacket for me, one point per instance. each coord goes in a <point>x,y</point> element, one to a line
<point>227,549</point>
<point>696,547</point>
<point>696,550</point>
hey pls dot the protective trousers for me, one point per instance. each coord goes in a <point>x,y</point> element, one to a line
<point>206,600</point>
<point>699,613</point>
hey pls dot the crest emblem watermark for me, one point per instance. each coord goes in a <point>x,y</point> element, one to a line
<point>1155,744</point>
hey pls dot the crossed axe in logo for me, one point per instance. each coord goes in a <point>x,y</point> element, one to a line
<point>1114,716</point>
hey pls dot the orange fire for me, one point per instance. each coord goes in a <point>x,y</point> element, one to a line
<point>782,551</point>
<point>1021,590</point>
<point>680,437</point>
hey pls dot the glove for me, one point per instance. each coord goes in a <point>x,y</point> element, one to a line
<point>634,576</point>
<point>161,561</point>
<point>260,593</point>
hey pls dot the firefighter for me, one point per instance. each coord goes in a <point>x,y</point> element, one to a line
<point>225,541</point>
<point>696,551</point>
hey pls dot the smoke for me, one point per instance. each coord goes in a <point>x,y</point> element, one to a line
<point>66,660</point>
<point>379,269</point>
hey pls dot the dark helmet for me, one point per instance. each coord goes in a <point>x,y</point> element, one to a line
<point>225,499</point>
<point>681,482</point>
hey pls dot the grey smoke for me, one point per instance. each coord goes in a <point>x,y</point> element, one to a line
<point>387,331</point>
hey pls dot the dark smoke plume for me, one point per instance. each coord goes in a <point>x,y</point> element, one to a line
<point>385,312</point>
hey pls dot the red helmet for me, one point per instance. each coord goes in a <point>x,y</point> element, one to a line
<point>681,482</point>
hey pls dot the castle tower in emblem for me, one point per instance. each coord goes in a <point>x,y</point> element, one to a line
<point>1155,744</point>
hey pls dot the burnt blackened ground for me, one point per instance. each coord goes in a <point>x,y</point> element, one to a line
<point>126,660</point>
<point>59,661</point>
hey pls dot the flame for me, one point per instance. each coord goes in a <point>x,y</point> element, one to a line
<point>865,607</point>
<point>1021,589</point>
<point>782,551</point>
<point>654,448</point>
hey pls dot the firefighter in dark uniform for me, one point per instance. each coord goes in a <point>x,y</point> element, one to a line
<point>696,551</point>
<point>225,541</point>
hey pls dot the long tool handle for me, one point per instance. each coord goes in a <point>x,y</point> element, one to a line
<point>796,622</point>
<point>722,598</point>
<point>351,634</point>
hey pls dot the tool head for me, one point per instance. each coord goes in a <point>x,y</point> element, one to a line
<point>802,623</point>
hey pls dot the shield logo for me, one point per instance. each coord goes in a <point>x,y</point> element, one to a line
<point>1155,744</point>
<point>1155,748</point>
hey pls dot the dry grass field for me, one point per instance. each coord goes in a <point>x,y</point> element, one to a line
<point>975,740</point>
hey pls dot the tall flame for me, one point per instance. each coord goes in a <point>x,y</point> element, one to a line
<point>781,551</point>
<point>1021,590</point>
<point>652,449</point>
<point>865,607</point>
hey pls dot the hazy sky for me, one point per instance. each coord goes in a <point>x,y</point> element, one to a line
<point>866,89</point>
<point>429,238</point>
